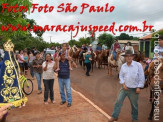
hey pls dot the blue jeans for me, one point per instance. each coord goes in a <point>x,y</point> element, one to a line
<point>133,97</point>
<point>38,77</point>
<point>31,69</point>
<point>114,55</point>
<point>65,83</point>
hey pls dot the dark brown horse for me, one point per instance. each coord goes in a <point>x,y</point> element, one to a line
<point>102,58</point>
<point>139,57</point>
<point>74,53</point>
<point>154,79</point>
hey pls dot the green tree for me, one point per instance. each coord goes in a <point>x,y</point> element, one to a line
<point>72,42</point>
<point>13,18</point>
<point>124,36</point>
<point>106,38</point>
<point>94,36</point>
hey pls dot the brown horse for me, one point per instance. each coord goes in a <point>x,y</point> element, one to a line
<point>139,57</point>
<point>74,53</point>
<point>154,79</point>
<point>102,58</point>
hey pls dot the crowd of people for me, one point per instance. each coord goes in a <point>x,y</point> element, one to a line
<point>42,65</point>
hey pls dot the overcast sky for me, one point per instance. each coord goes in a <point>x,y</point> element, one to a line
<point>132,12</point>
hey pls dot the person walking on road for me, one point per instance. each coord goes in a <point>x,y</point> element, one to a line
<point>132,79</point>
<point>48,78</point>
<point>87,62</point>
<point>64,79</point>
<point>31,58</point>
<point>37,66</point>
<point>26,59</point>
<point>21,61</point>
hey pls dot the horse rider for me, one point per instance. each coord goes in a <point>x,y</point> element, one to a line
<point>129,47</point>
<point>104,47</point>
<point>114,49</point>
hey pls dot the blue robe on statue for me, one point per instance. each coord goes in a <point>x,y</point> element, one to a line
<point>10,90</point>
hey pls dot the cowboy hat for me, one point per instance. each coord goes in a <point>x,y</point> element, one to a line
<point>129,52</point>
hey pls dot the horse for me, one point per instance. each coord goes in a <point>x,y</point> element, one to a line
<point>154,80</point>
<point>139,57</point>
<point>102,57</point>
<point>74,53</point>
<point>115,64</point>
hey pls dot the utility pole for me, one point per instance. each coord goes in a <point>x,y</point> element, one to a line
<point>71,35</point>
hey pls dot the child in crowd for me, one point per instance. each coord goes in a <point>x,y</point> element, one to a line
<point>66,52</point>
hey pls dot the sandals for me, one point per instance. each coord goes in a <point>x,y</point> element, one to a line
<point>46,103</point>
<point>53,101</point>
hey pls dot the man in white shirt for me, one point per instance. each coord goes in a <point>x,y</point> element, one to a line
<point>132,79</point>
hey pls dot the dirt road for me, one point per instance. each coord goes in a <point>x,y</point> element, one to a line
<point>103,91</point>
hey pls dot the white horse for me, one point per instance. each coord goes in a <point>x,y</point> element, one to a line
<point>115,64</point>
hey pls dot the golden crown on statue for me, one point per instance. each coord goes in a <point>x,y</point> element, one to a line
<point>8,46</point>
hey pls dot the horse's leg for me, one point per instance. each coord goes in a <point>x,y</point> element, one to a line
<point>80,61</point>
<point>98,64</point>
<point>84,65</point>
<point>152,111</point>
<point>151,95</point>
<point>92,65</point>
<point>111,71</point>
<point>108,69</point>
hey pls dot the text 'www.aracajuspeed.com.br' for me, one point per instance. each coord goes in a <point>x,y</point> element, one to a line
<point>79,28</point>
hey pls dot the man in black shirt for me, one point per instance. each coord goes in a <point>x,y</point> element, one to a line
<point>64,79</point>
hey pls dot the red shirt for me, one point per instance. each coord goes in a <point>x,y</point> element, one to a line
<point>116,46</point>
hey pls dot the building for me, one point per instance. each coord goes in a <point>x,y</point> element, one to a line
<point>145,45</point>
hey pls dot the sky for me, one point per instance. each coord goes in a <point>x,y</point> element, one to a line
<point>126,12</point>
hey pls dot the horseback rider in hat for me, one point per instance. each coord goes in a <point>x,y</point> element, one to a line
<point>114,49</point>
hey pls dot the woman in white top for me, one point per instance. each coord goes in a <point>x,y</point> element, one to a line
<point>129,47</point>
<point>48,78</point>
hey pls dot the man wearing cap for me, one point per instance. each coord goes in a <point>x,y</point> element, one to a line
<point>89,47</point>
<point>64,79</point>
<point>132,79</point>
<point>99,48</point>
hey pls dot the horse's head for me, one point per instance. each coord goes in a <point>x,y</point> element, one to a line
<point>104,53</point>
